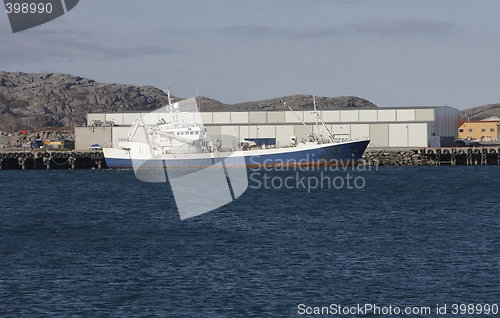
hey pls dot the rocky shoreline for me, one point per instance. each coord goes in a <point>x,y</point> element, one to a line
<point>19,140</point>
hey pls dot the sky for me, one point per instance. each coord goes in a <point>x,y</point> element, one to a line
<point>391,52</point>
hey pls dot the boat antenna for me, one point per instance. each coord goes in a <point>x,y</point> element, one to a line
<point>169,97</point>
<point>198,99</point>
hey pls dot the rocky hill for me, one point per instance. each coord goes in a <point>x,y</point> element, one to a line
<point>296,102</point>
<point>480,112</point>
<point>33,101</point>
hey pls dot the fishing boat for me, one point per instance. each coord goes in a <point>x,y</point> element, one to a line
<point>174,137</point>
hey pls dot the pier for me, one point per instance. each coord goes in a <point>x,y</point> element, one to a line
<point>463,155</point>
<point>51,159</point>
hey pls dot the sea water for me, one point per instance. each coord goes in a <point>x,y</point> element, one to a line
<point>100,243</point>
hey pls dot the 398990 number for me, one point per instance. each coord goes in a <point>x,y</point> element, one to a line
<point>28,7</point>
<point>474,309</point>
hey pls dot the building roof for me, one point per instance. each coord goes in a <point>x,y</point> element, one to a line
<point>492,118</point>
<point>462,122</point>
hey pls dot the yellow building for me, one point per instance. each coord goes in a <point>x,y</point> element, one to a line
<point>486,130</point>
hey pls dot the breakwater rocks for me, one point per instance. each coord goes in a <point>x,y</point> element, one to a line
<point>488,155</point>
<point>388,157</point>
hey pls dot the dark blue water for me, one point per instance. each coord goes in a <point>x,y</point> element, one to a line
<point>101,244</point>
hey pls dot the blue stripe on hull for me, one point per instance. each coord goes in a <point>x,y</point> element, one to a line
<point>334,153</point>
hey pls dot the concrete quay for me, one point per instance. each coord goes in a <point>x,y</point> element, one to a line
<point>66,159</point>
<point>51,159</point>
<point>487,155</point>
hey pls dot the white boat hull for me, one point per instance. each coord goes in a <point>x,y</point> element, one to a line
<point>303,154</point>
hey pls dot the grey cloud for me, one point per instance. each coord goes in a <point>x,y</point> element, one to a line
<point>251,31</point>
<point>313,33</point>
<point>260,32</point>
<point>36,46</point>
<point>388,26</point>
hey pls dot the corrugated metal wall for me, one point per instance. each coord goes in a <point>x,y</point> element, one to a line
<point>394,127</point>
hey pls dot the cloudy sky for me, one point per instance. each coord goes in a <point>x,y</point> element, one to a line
<point>391,52</point>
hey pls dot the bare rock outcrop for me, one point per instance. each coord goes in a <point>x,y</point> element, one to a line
<point>296,102</point>
<point>480,112</point>
<point>33,101</point>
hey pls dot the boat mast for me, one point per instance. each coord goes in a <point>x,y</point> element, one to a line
<point>167,91</point>
<point>316,116</point>
<point>324,125</point>
<point>171,107</point>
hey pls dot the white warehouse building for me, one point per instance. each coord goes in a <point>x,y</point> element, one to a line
<point>385,127</point>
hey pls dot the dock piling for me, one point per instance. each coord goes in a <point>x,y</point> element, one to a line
<point>51,159</point>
